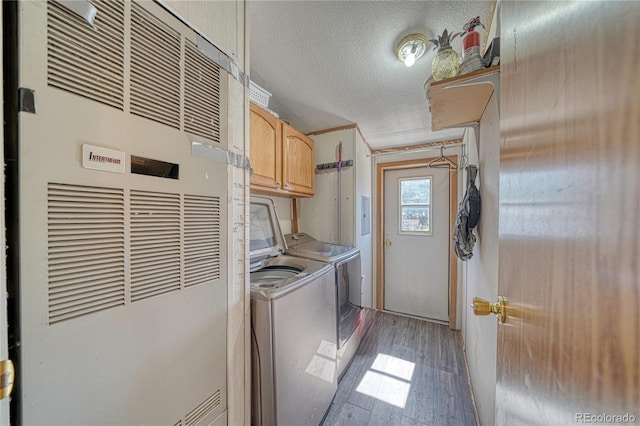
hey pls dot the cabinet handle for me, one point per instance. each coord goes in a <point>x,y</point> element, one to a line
<point>286,185</point>
<point>278,184</point>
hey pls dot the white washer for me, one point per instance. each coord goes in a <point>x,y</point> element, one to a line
<point>346,262</point>
<point>293,323</point>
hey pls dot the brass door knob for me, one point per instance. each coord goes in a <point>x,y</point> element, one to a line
<point>387,243</point>
<point>7,375</point>
<point>484,307</point>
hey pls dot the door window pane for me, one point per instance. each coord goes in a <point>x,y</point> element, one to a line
<point>415,191</point>
<point>415,206</point>
<point>415,219</point>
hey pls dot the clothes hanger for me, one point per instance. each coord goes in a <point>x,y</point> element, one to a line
<point>442,162</point>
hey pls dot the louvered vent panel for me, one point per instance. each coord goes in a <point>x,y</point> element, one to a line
<point>201,239</point>
<point>86,250</point>
<point>155,69</point>
<point>202,94</point>
<point>86,60</point>
<point>202,410</point>
<point>155,244</point>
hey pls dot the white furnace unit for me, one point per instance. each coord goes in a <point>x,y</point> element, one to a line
<point>122,236</point>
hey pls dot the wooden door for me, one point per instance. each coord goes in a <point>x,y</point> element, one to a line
<point>266,148</point>
<point>298,162</point>
<point>416,234</point>
<point>569,261</point>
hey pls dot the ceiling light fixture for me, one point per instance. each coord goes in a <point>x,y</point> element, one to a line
<point>411,48</point>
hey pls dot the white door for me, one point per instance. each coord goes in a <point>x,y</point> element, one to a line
<point>416,239</point>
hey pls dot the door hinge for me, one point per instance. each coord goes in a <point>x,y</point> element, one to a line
<point>26,100</point>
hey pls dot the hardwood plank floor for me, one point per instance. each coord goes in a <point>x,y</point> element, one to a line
<point>406,372</point>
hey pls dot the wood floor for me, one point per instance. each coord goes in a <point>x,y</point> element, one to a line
<point>406,372</point>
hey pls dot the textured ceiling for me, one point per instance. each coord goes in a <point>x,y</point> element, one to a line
<point>332,63</point>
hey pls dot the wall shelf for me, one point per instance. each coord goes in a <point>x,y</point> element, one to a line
<point>460,101</point>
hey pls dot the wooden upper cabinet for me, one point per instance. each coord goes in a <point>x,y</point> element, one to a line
<point>266,148</point>
<point>282,158</point>
<point>298,163</point>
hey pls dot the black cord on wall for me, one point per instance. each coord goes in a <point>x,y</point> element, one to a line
<point>12,195</point>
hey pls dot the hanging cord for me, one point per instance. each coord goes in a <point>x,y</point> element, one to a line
<point>464,160</point>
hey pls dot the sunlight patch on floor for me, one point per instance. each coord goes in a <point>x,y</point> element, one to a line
<point>394,366</point>
<point>388,379</point>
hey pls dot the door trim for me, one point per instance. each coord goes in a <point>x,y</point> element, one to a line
<point>453,201</point>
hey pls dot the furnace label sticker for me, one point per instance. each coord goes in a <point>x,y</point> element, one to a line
<point>99,158</point>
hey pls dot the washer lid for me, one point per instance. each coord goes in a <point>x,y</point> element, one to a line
<point>296,239</point>
<point>320,250</point>
<point>282,274</point>
<point>266,239</point>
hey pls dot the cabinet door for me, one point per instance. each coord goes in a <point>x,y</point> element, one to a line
<point>298,163</point>
<point>266,148</point>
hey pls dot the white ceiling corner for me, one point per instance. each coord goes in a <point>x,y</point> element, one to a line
<point>332,63</point>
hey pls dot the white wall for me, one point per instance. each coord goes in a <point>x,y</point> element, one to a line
<point>364,179</point>
<point>318,215</point>
<point>480,273</point>
<point>494,26</point>
<point>283,210</point>
<point>221,22</point>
